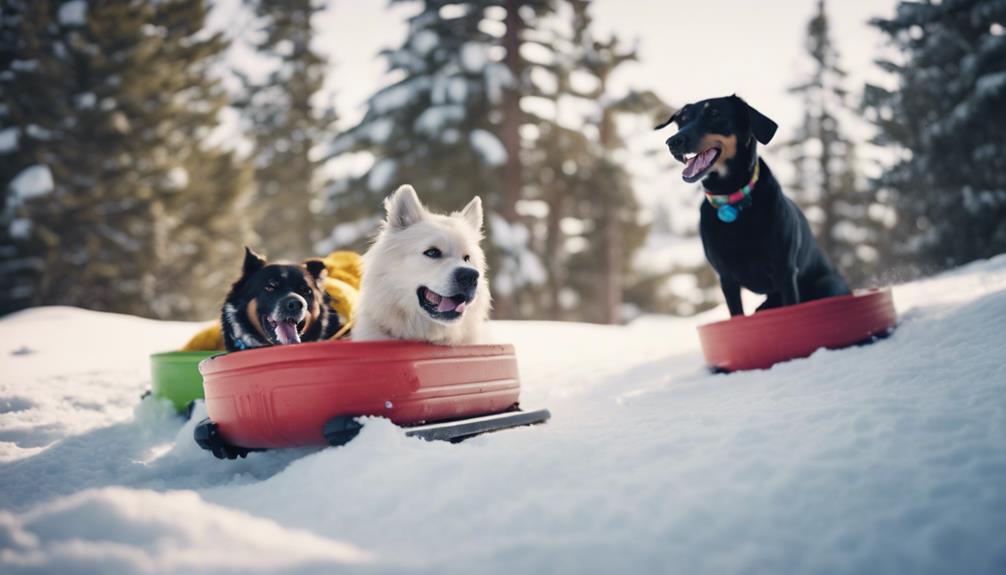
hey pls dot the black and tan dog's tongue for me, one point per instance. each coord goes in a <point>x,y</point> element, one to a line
<point>698,163</point>
<point>286,332</point>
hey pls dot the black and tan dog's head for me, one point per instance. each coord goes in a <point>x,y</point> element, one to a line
<point>717,136</point>
<point>275,304</point>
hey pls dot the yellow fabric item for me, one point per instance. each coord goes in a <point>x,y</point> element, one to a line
<point>342,282</point>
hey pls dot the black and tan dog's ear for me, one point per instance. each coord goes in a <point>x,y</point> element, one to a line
<point>762,126</point>
<point>315,267</point>
<point>667,122</point>
<point>253,262</point>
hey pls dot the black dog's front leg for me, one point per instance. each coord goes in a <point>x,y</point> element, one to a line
<point>732,293</point>
<point>788,289</point>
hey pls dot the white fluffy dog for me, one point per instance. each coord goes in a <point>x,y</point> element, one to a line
<point>424,276</point>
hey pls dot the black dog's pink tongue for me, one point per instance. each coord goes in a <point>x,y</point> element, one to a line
<point>698,163</point>
<point>286,332</point>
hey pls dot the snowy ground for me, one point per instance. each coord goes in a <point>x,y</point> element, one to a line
<point>889,458</point>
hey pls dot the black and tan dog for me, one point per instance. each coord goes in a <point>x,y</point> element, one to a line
<point>276,304</point>
<point>753,235</point>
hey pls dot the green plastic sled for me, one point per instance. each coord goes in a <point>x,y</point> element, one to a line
<point>175,376</point>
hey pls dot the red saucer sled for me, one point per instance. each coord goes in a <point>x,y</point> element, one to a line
<point>768,337</point>
<point>311,394</point>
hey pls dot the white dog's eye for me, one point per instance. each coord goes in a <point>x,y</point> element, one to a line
<point>433,253</point>
<point>468,258</point>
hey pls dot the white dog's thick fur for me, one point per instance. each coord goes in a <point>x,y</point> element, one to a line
<point>400,263</point>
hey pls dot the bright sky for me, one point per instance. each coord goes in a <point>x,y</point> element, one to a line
<point>689,51</point>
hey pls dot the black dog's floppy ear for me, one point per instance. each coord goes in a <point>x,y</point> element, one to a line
<point>253,262</point>
<point>762,126</point>
<point>315,268</point>
<point>667,122</point>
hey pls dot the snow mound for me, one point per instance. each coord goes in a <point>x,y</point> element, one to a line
<point>116,530</point>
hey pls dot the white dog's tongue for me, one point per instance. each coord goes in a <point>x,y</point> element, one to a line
<point>698,163</point>
<point>447,304</point>
<point>286,332</point>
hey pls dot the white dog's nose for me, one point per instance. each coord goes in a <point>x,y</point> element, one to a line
<point>466,279</point>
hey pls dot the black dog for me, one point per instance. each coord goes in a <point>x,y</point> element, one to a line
<point>276,304</point>
<point>753,235</point>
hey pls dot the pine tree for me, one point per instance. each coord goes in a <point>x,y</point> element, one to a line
<point>421,128</point>
<point>134,194</point>
<point>437,127</point>
<point>24,39</point>
<point>602,198</point>
<point>548,187</point>
<point>945,118</point>
<point>825,164</point>
<point>287,125</point>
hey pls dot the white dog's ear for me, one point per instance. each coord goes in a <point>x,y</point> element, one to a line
<point>404,208</point>
<point>473,213</point>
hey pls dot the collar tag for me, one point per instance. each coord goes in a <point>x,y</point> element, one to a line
<point>729,206</point>
<point>727,213</point>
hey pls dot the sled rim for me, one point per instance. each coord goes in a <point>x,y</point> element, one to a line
<point>765,338</point>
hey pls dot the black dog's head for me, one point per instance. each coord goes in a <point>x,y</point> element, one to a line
<point>717,136</point>
<point>275,303</point>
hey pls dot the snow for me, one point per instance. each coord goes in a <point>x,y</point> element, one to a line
<point>879,459</point>
<point>379,130</point>
<point>488,147</point>
<point>111,530</point>
<point>381,174</point>
<point>665,251</point>
<point>8,140</point>
<point>457,90</point>
<point>474,57</point>
<point>424,41</point>
<point>24,65</point>
<point>497,77</point>
<point>346,234</point>
<point>19,228</point>
<point>32,182</point>
<point>990,84</point>
<point>393,97</point>
<point>86,101</point>
<point>518,266</point>
<point>435,119</point>
<point>73,13</point>
<point>177,178</point>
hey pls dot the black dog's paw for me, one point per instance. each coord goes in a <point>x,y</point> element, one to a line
<point>771,302</point>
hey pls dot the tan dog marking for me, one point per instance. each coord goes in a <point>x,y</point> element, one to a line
<point>252,311</point>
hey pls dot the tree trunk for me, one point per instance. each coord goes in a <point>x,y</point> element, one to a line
<point>553,248</point>
<point>825,237</point>
<point>513,172</point>
<point>611,281</point>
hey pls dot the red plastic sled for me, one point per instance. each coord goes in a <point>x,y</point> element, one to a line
<point>309,394</point>
<point>768,337</point>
